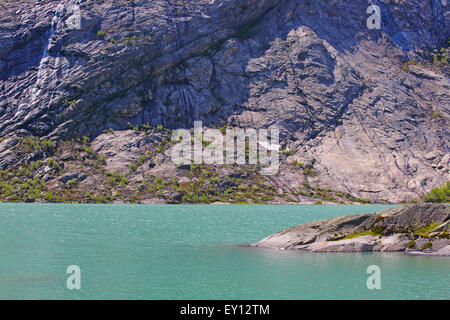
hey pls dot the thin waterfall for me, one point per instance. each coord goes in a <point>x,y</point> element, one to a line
<point>45,57</point>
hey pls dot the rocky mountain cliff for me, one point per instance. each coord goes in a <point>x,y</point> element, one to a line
<point>363,114</point>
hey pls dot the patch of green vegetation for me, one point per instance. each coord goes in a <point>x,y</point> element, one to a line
<point>328,194</point>
<point>289,152</point>
<point>223,129</point>
<point>24,182</point>
<point>146,127</point>
<point>309,172</point>
<point>73,182</point>
<point>30,145</point>
<point>438,195</point>
<point>88,149</point>
<point>70,102</point>
<point>436,114</point>
<point>444,235</point>
<point>51,163</point>
<point>20,185</point>
<point>411,244</point>
<point>409,63</point>
<point>129,40</point>
<point>159,149</point>
<point>244,186</point>
<point>440,58</point>
<point>360,234</point>
<point>297,163</point>
<point>378,229</point>
<point>100,162</point>
<point>363,200</point>
<point>116,179</point>
<point>427,245</point>
<point>426,230</point>
<point>300,191</point>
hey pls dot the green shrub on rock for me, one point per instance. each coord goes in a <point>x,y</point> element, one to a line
<point>438,195</point>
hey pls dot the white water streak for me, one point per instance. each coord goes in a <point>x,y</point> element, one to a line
<point>45,57</point>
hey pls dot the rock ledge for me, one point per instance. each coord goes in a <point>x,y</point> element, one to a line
<point>418,229</point>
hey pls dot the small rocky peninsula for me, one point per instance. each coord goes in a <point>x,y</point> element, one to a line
<point>419,229</point>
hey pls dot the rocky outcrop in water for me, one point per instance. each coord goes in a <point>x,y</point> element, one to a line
<point>416,229</point>
<point>369,108</point>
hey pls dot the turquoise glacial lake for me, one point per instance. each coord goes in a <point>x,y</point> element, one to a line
<point>193,252</point>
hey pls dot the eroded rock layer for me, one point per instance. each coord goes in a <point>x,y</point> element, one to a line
<point>369,108</point>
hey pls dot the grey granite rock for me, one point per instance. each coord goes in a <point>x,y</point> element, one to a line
<point>358,233</point>
<point>335,89</point>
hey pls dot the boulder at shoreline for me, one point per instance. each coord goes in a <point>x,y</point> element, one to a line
<point>419,229</point>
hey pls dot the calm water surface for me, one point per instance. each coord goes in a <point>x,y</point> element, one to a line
<point>192,252</point>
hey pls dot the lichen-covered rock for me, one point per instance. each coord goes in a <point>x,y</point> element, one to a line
<point>403,231</point>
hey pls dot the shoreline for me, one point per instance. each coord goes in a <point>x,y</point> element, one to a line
<point>305,251</point>
<point>416,228</point>
<point>219,204</point>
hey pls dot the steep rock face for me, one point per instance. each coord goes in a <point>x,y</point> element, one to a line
<point>335,89</point>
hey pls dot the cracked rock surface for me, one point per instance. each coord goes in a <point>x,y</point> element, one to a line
<point>335,89</point>
<point>399,229</point>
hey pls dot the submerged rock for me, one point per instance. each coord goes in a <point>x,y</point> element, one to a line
<point>410,228</point>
